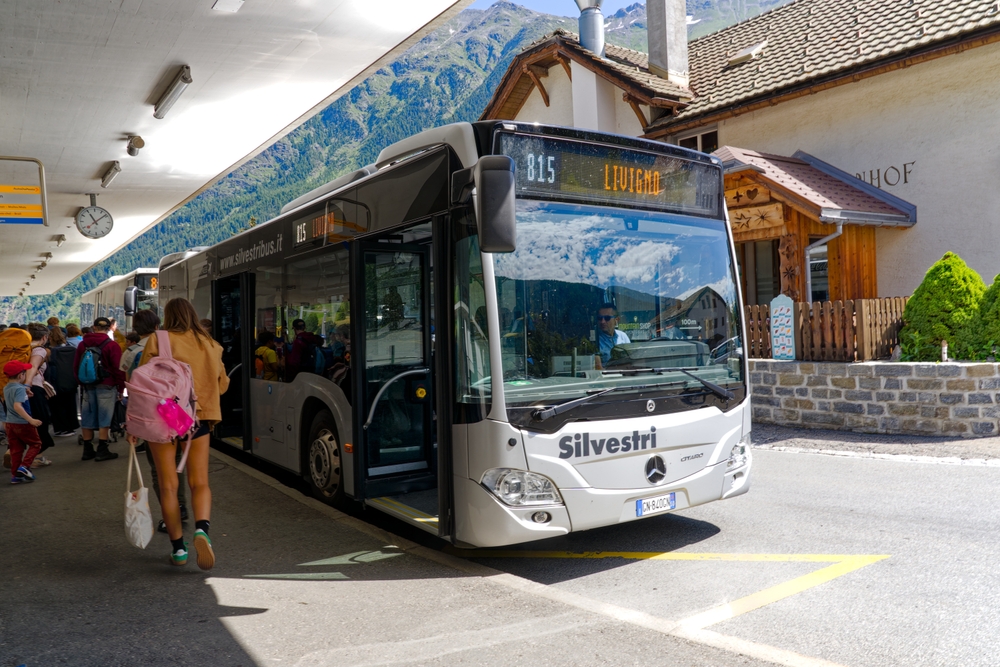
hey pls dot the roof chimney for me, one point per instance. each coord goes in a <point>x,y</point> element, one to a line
<point>666,22</point>
<point>592,26</point>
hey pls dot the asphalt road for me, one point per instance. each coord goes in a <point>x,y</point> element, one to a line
<point>933,599</point>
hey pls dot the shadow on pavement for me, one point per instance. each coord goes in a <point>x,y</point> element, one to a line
<point>661,534</point>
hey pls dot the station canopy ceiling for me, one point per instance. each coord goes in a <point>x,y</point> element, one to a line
<point>78,78</point>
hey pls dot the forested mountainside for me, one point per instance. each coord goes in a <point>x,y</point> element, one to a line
<point>446,77</point>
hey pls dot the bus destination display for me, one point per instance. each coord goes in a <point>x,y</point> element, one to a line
<point>331,227</point>
<point>146,282</point>
<point>590,172</point>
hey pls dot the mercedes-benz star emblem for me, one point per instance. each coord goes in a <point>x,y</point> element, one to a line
<point>656,469</point>
<point>650,405</point>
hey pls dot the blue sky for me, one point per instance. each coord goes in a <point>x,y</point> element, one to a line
<point>558,7</point>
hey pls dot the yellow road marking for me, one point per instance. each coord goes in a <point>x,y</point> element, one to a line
<point>841,565</point>
<point>779,592</point>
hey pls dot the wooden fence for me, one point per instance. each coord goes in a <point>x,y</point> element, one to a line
<point>860,330</point>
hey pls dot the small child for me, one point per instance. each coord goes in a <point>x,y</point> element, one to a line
<point>21,427</point>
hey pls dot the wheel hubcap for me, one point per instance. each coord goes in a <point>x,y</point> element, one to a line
<point>324,462</point>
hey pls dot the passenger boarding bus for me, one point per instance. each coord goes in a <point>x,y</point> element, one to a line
<point>591,275</point>
<point>108,298</point>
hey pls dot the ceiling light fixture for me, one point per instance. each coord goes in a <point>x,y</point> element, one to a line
<point>59,239</point>
<point>110,174</point>
<point>135,142</point>
<point>227,5</point>
<point>47,255</point>
<point>174,90</point>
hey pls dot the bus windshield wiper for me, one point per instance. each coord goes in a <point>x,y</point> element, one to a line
<point>542,415</point>
<point>721,392</point>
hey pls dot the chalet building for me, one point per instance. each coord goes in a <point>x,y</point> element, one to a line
<point>842,119</point>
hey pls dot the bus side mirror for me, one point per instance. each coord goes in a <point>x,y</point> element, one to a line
<point>131,300</point>
<point>494,179</point>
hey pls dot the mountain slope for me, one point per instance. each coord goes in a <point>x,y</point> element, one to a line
<point>448,76</point>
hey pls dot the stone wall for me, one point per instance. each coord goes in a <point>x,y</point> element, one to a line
<point>954,399</point>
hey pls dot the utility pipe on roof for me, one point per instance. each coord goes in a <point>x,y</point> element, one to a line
<point>809,248</point>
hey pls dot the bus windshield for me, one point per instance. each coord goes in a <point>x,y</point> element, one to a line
<point>601,297</point>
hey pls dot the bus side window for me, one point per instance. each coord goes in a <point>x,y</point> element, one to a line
<point>316,292</point>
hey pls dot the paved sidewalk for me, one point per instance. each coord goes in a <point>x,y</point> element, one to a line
<point>296,583</point>
<point>771,436</point>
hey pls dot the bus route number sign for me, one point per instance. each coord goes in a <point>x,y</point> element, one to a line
<point>607,174</point>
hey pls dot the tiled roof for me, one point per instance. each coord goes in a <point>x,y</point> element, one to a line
<point>813,39</point>
<point>835,197</point>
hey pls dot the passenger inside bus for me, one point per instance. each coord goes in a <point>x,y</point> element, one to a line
<point>306,354</point>
<point>266,361</point>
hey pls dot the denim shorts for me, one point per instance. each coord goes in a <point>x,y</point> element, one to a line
<point>97,408</point>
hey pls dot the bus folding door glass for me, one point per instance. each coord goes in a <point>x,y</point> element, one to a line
<point>472,350</point>
<point>199,285</point>
<point>316,297</point>
<point>395,330</point>
<point>268,351</point>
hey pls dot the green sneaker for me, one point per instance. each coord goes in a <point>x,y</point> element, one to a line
<point>203,547</point>
<point>179,557</point>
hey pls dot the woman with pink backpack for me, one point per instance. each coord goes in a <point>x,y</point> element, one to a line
<point>184,340</point>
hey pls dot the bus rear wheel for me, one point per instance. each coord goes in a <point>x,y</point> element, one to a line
<point>323,465</point>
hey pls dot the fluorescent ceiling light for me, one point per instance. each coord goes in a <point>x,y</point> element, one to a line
<point>173,91</point>
<point>227,5</point>
<point>110,174</point>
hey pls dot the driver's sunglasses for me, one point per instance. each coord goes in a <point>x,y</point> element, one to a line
<point>605,318</point>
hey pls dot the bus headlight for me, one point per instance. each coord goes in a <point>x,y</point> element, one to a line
<point>520,488</point>
<point>738,455</point>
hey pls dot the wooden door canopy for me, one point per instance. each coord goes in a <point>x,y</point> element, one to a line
<point>813,187</point>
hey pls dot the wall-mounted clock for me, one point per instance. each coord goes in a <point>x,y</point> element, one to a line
<point>93,221</point>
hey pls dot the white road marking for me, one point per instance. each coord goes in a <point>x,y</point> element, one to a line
<point>907,458</point>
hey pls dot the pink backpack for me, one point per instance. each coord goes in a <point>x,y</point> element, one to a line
<point>161,380</point>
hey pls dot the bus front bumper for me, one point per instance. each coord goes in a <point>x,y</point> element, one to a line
<point>593,508</point>
<point>486,522</point>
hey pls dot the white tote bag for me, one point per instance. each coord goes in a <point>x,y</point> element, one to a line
<point>138,520</point>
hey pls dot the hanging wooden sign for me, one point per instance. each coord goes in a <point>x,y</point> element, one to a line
<point>756,217</point>
<point>750,195</point>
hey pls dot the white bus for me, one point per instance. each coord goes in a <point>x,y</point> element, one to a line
<point>507,332</point>
<point>108,298</point>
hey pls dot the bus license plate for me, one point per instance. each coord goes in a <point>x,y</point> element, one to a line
<point>654,505</point>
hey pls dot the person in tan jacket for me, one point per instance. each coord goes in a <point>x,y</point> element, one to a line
<point>192,344</point>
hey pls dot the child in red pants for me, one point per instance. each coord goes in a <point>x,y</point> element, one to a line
<point>21,427</point>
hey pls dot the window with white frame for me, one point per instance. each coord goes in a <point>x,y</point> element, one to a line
<point>706,142</point>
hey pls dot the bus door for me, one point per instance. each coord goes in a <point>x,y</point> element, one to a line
<point>230,314</point>
<point>394,418</point>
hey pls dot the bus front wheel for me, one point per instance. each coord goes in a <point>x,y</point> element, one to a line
<point>323,469</point>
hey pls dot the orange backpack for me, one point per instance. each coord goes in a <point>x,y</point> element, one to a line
<point>15,345</point>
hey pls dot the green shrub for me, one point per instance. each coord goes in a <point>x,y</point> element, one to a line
<point>981,334</point>
<point>940,308</point>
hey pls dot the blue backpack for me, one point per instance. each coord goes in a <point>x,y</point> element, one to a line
<point>91,370</point>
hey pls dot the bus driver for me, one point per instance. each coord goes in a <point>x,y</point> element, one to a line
<point>608,335</point>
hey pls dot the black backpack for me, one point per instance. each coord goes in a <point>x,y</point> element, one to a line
<point>59,372</point>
